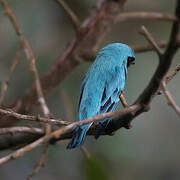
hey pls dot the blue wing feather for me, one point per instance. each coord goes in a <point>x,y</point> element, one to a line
<point>99,94</point>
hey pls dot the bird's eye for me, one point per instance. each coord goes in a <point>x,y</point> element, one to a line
<point>130,61</point>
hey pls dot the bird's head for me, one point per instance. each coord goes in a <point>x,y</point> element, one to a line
<point>122,52</point>
<point>130,60</point>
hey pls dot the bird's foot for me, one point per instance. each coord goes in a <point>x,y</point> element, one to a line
<point>128,126</point>
<point>112,133</point>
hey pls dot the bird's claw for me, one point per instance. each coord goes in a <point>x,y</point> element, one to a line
<point>128,126</point>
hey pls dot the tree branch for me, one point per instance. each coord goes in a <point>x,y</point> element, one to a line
<point>164,64</point>
<point>58,133</point>
<point>151,40</point>
<point>172,74</point>
<point>38,118</point>
<point>146,15</point>
<point>169,97</point>
<point>74,19</point>
<point>5,84</point>
<point>28,130</point>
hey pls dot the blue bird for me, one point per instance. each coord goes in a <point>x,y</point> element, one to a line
<point>101,87</point>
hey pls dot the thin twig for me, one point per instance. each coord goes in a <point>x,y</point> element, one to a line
<point>85,152</point>
<point>33,118</point>
<point>74,19</point>
<point>169,97</point>
<point>127,110</point>
<point>5,84</point>
<point>172,74</point>
<point>146,15</point>
<point>169,77</point>
<point>123,100</point>
<point>148,47</point>
<point>29,130</point>
<point>41,162</point>
<point>148,36</point>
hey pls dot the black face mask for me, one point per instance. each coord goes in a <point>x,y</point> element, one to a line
<point>130,61</point>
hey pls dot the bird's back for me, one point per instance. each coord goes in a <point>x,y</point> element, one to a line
<point>104,77</point>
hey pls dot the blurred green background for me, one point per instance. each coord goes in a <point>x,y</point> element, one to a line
<point>150,150</point>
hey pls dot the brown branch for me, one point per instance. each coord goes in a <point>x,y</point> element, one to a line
<point>151,40</point>
<point>17,140</point>
<point>85,152</point>
<point>29,130</point>
<point>123,100</point>
<point>58,133</point>
<point>148,47</point>
<point>74,19</point>
<point>41,162</point>
<point>5,84</point>
<point>170,99</point>
<point>164,64</point>
<point>172,74</point>
<point>146,15</point>
<point>38,118</point>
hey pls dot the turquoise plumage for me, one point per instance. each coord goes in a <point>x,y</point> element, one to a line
<point>101,87</point>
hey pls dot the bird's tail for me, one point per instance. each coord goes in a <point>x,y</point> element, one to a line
<point>78,137</point>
